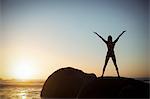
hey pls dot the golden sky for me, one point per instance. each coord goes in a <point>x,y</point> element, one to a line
<point>38,38</point>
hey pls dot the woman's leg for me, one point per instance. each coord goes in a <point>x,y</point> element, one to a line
<point>106,61</point>
<point>114,61</point>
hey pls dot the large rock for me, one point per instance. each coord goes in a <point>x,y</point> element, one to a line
<point>113,87</point>
<point>66,83</point>
<point>73,83</point>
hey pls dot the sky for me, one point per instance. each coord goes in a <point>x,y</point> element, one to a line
<point>38,37</point>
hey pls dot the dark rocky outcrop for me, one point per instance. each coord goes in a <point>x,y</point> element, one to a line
<point>73,83</point>
<point>113,87</point>
<point>66,83</point>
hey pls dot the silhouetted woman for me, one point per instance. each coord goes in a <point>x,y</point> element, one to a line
<point>110,53</point>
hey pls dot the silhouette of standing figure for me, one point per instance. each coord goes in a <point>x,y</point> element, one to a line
<point>110,53</point>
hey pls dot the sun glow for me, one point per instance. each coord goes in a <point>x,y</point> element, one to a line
<point>24,70</point>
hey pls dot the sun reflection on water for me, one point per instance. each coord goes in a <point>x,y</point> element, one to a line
<point>23,97</point>
<point>20,92</point>
<point>23,94</point>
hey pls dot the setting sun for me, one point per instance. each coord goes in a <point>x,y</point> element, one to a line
<point>24,70</point>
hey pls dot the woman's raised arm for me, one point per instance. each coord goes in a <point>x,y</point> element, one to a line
<point>119,36</point>
<point>100,37</point>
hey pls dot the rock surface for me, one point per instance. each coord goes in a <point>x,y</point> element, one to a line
<point>73,83</point>
<point>113,87</point>
<point>66,83</point>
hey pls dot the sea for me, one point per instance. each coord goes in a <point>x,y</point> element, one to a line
<point>13,89</point>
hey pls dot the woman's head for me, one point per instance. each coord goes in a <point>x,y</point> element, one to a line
<point>110,38</point>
